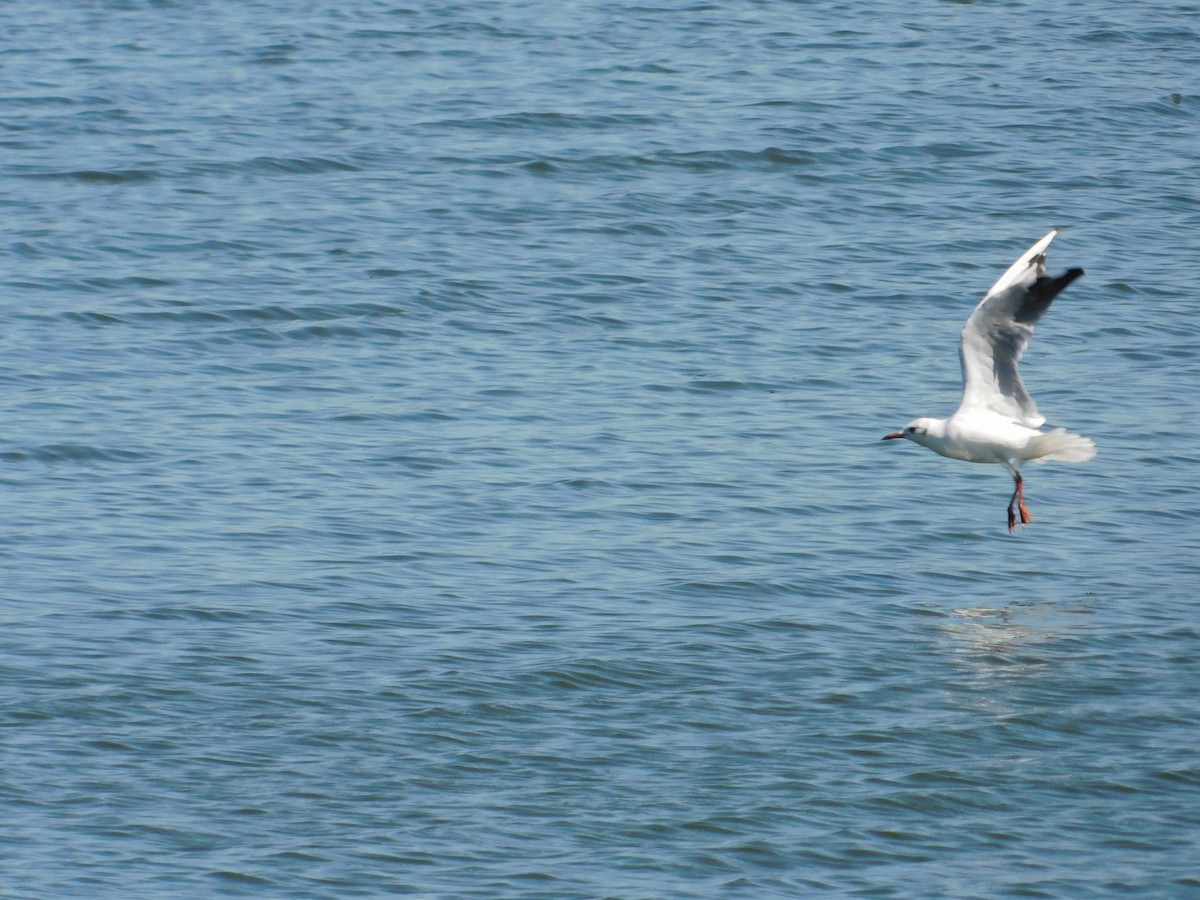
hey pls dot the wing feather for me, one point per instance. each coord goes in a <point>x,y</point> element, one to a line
<point>999,330</point>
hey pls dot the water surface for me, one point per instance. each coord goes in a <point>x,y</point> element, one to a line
<point>441,451</point>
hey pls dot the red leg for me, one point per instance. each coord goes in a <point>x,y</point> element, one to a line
<point>1017,499</point>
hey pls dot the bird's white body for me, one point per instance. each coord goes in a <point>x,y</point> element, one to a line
<point>983,436</point>
<point>997,421</point>
<point>977,436</point>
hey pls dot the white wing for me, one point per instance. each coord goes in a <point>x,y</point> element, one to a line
<point>998,331</point>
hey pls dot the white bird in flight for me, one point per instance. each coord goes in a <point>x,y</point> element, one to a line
<point>997,421</point>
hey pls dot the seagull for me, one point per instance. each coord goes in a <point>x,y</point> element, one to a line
<point>997,421</point>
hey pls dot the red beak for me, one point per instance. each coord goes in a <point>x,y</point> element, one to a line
<point>892,436</point>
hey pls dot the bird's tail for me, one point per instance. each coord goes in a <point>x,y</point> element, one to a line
<point>1061,445</point>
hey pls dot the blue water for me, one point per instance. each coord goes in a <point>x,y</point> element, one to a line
<point>440,451</point>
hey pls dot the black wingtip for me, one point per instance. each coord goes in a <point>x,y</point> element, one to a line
<point>1042,293</point>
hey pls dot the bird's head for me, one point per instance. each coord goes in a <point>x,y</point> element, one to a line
<point>919,431</point>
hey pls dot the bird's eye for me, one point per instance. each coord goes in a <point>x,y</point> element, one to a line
<point>911,429</point>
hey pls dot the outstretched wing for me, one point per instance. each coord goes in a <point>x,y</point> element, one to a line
<point>1000,328</point>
